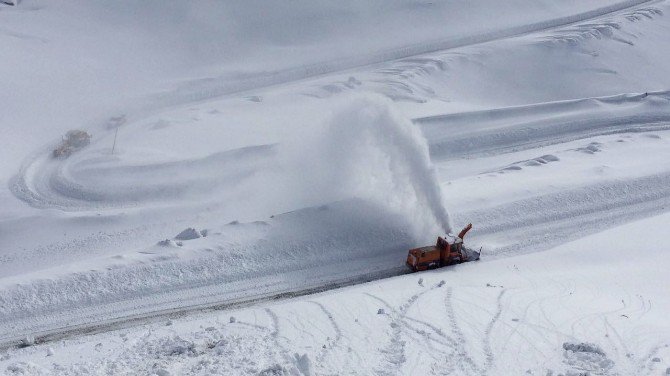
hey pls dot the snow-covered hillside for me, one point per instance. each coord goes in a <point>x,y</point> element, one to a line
<point>243,151</point>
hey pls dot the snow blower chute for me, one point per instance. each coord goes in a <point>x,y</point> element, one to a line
<point>446,251</point>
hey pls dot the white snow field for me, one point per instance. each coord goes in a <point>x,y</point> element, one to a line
<point>251,161</point>
<point>564,311</point>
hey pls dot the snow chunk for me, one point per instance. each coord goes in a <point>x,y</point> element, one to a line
<point>550,158</point>
<point>27,341</point>
<point>583,347</point>
<point>171,346</point>
<point>189,234</point>
<point>586,357</point>
<point>24,368</point>
<point>275,370</point>
<point>167,243</point>
<point>304,364</point>
<point>162,372</point>
<point>381,311</point>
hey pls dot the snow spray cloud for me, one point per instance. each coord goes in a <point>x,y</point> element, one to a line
<point>369,151</point>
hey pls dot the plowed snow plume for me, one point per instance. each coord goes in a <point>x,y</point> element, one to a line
<point>369,151</point>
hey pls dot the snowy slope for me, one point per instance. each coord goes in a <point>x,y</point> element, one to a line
<point>81,62</point>
<point>563,311</point>
<point>310,145</point>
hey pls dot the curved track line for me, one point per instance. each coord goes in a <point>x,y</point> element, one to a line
<point>402,324</point>
<point>338,333</point>
<point>276,337</point>
<point>77,183</point>
<point>458,333</point>
<point>488,352</point>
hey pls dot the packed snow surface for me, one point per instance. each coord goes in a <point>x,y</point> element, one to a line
<point>560,312</point>
<point>244,151</point>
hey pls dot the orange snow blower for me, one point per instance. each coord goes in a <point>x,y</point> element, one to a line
<point>447,251</point>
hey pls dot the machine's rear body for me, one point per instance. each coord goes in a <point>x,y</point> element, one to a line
<point>446,251</point>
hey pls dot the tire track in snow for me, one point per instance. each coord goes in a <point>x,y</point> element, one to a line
<point>540,330</point>
<point>274,334</point>
<point>338,334</point>
<point>622,343</point>
<point>84,182</point>
<point>458,333</point>
<point>488,352</point>
<point>543,330</point>
<point>395,351</point>
<point>298,325</point>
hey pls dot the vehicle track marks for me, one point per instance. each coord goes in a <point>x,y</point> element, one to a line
<point>458,334</point>
<point>335,343</point>
<point>394,352</point>
<point>402,325</point>
<point>275,335</point>
<point>488,352</point>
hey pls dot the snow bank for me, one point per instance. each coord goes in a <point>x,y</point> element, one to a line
<point>292,251</point>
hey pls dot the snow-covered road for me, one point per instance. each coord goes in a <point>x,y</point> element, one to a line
<point>563,311</point>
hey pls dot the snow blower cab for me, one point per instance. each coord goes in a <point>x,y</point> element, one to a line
<point>446,251</point>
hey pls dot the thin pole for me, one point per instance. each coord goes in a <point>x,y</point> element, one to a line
<point>115,133</point>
